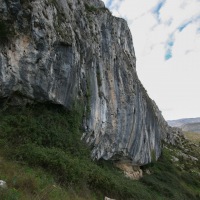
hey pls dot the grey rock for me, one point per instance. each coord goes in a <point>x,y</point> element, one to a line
<point>62,51</point>
<point>174,159</point>
<point>3,184</point>
<point>107,198</point>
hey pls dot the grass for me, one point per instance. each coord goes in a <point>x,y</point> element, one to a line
<point>42,157</point>
<point>34,184</point>
<point>194,137</point>
<point>169,181</point>
<point>23,182</point>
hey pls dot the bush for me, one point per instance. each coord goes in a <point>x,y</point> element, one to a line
<point>93,9</point>
<point>44,126</point>
<point>10,194</point>
<point>90,8</point>
<point>3,30</point>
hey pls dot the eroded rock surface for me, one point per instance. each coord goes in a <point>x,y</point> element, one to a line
<point>130,171</point>
<point>67,50</point>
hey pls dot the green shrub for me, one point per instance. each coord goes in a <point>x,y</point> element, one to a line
<point>93,9</point>
<point>10,194</point>
<point>90,8</point>
<point>3,30</point>
<point>44,126</point>
<point>167,180</point>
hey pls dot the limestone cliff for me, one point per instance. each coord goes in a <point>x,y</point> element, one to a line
<point>67,50</point>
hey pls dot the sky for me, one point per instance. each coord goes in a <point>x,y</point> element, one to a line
<point>166,38</point>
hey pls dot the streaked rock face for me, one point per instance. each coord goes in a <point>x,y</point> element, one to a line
<point>64,50</point>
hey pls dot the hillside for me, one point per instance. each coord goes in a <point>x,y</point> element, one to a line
<point>42,157</point>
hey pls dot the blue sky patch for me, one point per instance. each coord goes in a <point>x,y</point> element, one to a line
<point>108,4</point>
<point>170,42</point>
<point>168,54</point>
<point>184,25</point>
<point>156,9</point>
<point>169,46</point>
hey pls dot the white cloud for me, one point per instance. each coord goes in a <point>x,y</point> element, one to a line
<point>187,41</point>
<point>130,8</point>
<point>180,10</point>
<point>161,28</point>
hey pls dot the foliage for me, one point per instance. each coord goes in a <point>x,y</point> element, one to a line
<point>6,31</point>
<point>169,181</point>
<point>45,142</point>
<point>3,30</point>
<point>90,8</point>
<point>47,126</point>
<point>93,9</point>
<point>31,183</point>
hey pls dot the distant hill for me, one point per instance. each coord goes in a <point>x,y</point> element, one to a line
<point>187,124</point>
<point>180,122</point>
<point>192,127</point>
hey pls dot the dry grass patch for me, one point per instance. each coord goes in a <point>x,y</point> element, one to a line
<point>194,137</point>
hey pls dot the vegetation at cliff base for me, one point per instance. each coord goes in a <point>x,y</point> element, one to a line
<point>43,158</point>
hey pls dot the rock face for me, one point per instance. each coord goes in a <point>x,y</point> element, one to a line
<point>62,51</point>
